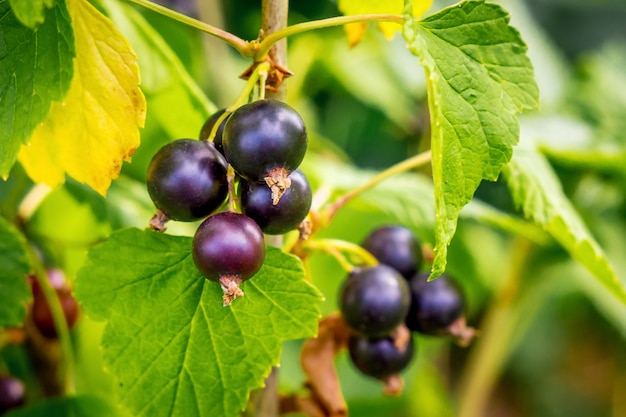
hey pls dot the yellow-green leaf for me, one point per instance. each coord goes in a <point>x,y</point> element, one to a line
<point>95,128</point>
<point>353,7</point>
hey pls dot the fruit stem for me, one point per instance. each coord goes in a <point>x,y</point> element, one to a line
<point>244,96</point>
<point>503,326</point>
<point>230,178</point>
<point>66,367</point>
<point>408,164</point>
<point>266,44</point>
<point>242,46</point>
<point>336,248</point>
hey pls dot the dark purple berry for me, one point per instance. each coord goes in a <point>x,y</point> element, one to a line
<point>435,305</point>
<point>397,247</point>
<point>11,393</point>
<point>374,300</point>
<point>287,214</point>
<point>379,357</point>
<point>187,179</point>
<point>262,136</point>
<point>207,127</point>
<point>228,248</point>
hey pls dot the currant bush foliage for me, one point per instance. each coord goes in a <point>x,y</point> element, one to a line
<point>478,79</point>
<point>169,342</point>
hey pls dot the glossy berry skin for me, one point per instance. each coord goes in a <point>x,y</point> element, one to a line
<point>187,179</point>
<point>435,305</point>
<point>374,300</point>
<point>379,357</point>
<point>228,244</point>
<point>294,205</point>
<point>11,393</point>
<point>264,135</point>
<point>207,127</point>
<point>397,247</point>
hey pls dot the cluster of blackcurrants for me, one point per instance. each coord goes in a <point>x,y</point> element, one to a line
<point>381,303</point>
<point>264,141</point>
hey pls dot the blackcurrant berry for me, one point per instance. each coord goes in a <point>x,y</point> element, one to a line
<point>187,179</point>
<point>207,127</point>
<point>228,248</point>
<point>11,393</point>
<point>379,357</point>
<point>41,313</point>
<point>287,214</point>
<point>374,300</point>
<point>435,305</point>
<point>397,247</point>
<point>265,141</point>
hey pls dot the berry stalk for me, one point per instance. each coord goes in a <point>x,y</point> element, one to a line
<point>66,368</point>
<point>406,165</point>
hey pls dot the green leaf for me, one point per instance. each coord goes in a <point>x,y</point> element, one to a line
<point>15,266</point>
<point>31,12</point>
<point>173,348</point>
<point>79,406</point>
<point>36,68</point>
<point>537,191</point>
<point>478,77</point>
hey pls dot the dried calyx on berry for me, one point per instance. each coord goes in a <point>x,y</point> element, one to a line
<point>265,141</point>
<point>287,214</point>
<point>382,358</point>
<point>228,248</point>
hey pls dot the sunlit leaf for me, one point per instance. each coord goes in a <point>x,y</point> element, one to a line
<point>31,12</point>
<point>14,267</point>
<point>478,78</point>
<point>537,191</point>
<point>172,346</point>
<point>95,128</point>
<point>35,70</point>
<point>354,7</point>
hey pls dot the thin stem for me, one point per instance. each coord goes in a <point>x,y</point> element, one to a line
<point>500,329</point>
<point>338,246</point>
<point>266,44</point>
<point>66,368</point>
<point>239,44</point>
<point>244,96</point>
<point>408,164</point>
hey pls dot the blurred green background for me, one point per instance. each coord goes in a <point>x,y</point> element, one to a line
<point>553,340</point>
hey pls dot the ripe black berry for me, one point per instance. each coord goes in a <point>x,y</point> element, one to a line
<point>287,214</point>
<point>397,247</point>
<point>41,313</point>
<point>228,248</point>
<point>265,141</point>
<point>379,357</point>
<point>374,300</point>
<point>187,179</point>
<point>207,127</point>
<point>435,305</point>
<point>11,393</point>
